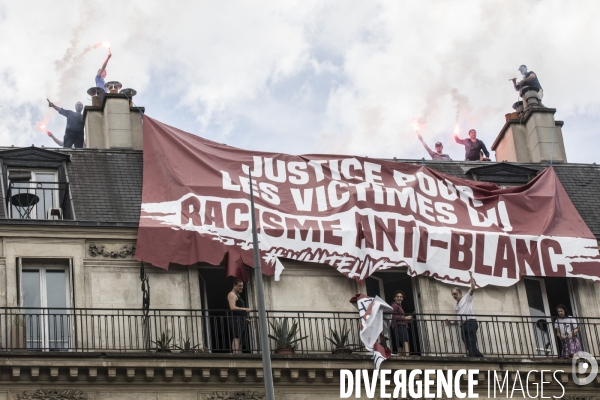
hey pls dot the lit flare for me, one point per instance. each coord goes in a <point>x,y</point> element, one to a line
<point>41,126</point>
<point>415,124</point>
<point>456,129</point>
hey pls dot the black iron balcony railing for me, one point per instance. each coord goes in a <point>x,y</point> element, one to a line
<point>219,331</point>
<point>39,200</point>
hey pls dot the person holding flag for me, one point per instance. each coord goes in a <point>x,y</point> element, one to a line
<point>374,328</point>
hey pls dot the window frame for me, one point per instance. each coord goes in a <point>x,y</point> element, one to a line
<point>32,189</point>
<point>43,265</point>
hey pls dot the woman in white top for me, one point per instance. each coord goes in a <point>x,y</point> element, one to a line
<point>567,331</point>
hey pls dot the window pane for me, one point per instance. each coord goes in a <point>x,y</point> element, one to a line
<point>45,177</point>
<point>535,297</point>
<point>33,317</point>
<point>56,290</point>
<point>542,330</point>
<point>46,193</point>
<point>31,288</point>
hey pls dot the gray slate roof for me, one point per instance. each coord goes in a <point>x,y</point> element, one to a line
<point>106,184</point>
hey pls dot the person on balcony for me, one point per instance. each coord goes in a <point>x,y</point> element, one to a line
<point>75,125</point>
<point>400,324</point>
<point>567,331</point>
<point>239,314</point>
<point>436,155</point>
<point>466,319</point>
<point>473,147</point>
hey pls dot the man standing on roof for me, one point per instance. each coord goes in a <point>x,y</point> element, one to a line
<point>74,130</point>
<point>437,155</point>
<point>58,141</point>
<point>473,147</point>
<point>529,79</point>
<point>102,74</point>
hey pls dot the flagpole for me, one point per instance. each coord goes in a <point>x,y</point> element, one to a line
<point>262,312</point>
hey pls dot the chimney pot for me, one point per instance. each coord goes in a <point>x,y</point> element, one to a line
<point>518,106</point>
<point>113,86</point>
<point>95,92</point>
<point>129,93</point>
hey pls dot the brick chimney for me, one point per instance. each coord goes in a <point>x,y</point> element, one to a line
<point>530,134</point>
<point>114,124</point>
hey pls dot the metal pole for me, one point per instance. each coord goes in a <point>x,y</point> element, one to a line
<point>262,312</point>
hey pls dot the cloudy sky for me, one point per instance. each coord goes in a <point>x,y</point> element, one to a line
<point>306,76</point>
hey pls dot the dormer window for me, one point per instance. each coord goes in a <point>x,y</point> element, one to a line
<point>35,185</point>
<point>35,194</point>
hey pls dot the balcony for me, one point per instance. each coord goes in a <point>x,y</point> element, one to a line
<point>81,330</point>
<point>39,200</point>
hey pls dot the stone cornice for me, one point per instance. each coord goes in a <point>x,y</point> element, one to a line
<point>323,370</point>
<point>73,232</point>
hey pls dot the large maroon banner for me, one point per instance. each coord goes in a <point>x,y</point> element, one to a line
<point>357,214</point>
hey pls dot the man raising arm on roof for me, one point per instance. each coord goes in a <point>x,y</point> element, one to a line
<point>102,72</point>
<point>74,130</point>
<point>437,155</point>
<point>473,147</point>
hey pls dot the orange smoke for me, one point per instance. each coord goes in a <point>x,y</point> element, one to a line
<point>41,126</point>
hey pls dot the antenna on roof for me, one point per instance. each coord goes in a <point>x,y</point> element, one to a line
<point>552,153</point>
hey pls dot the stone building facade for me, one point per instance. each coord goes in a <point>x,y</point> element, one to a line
<point>73,325</point>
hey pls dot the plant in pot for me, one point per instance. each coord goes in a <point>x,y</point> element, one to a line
<point>188,348</point>
<point>18,331</point>
<point>340,342</point>
<point>284,336</point>
<point>163,343</point>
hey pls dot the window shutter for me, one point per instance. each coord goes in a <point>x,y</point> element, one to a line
<point>19,285</point>
<point>71,302</point>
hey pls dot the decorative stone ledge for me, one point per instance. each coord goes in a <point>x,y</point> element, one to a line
<point>52,394</point>
<point>111,251</point>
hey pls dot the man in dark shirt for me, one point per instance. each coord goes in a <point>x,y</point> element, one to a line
<point>473,147</point>
<point>75,125</point>
<point>529,79</point>
<point>436,155</point>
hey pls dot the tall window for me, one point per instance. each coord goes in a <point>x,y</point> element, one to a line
<point>45,295</point>
<point>34,194</point>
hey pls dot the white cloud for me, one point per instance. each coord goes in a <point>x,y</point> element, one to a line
<point>307,76</point>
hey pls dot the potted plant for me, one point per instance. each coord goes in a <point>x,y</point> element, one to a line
<point>163,344</point>
<point>188,348</point>
<point>18,332</point>
<point>340,342</point>
<point>284,336</point>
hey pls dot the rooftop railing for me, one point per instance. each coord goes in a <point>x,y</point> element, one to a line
<point>39,200</point>
<point>216,331</point>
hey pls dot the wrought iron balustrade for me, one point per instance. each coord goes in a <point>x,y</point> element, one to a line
<point>39,200</point>
<point>196,331</point>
